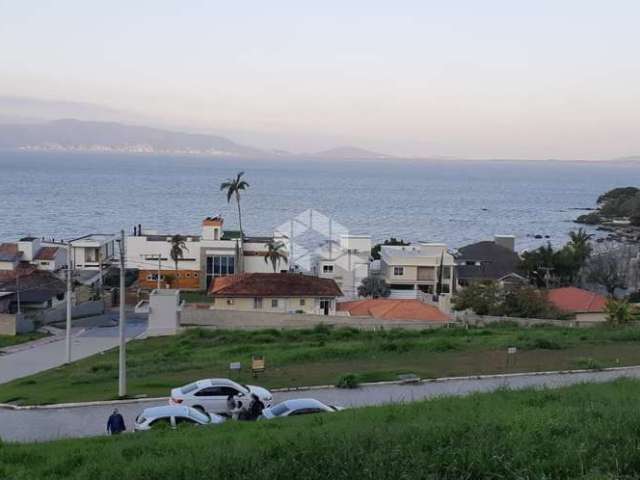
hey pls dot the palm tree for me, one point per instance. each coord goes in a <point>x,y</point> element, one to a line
<point>275,254</point>
<point>233,186</point>
<point>178,247</point>
<point>580,243</point>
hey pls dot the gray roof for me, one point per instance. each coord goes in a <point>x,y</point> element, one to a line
<point>495,261</point>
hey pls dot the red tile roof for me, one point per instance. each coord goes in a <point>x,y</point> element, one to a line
<point>47,253</point>
<point>390,309</point>
<point>273,285</point>
<point>9,252</point>
<point>576,300</point>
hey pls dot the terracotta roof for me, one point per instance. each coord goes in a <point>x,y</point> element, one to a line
<point>576,300</point>
<point>273,285</point>
<point>47,253</point>
<point>390,309</point>
<point>9,252</point>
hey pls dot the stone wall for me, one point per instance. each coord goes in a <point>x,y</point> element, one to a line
<point>59,313</point>
<point>483,320</point>
<point>229,319</point>
<point>13,324</point>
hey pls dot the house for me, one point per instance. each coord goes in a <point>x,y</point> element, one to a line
<point>409,270</point>
<point>31,250</point>
<point>346,262</point>
<point>489,260</point>
<point>214,253</point>
<point>587,306</point>
<point>27,288</point>
<point>394,309</point>
<point>275,293</point>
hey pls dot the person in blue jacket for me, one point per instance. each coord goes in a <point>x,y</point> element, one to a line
<point>115,425</point>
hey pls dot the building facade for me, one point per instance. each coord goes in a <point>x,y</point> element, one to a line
<point>213,253</point>
<point>410,269</point>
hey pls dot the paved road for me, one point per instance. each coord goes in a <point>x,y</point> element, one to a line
<point>85,342</point>
<point>40,425</point>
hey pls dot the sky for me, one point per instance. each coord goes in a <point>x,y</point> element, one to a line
<point>461,78</point>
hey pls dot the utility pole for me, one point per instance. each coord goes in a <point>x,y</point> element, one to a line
<point>122,367</point>
<point>68,334</point>
<point>159,268</point>
<point>18,289</point>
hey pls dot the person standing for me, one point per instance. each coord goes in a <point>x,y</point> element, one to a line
<point>115,424</point>
<point>255,408</point>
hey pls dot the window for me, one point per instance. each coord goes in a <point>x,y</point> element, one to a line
<point>162,422</point>
<point>189,388</point>
<point>280,409</point>
<point>257,303</point>
<point>185,421</point>
<point>218,266</point>
<point>195,274</point>
<point>187,275</point>
<point>302,302</point>
<point>327,269</point>
<point>274,303</point>
<point>306,411</point>
<point>398,271</point>
<point>216,392</point>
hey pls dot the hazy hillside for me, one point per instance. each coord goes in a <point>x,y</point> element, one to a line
<point>108,136</point>
<point>347,152</point>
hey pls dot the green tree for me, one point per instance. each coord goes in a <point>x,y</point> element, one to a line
<point>483,298</point>
<point>619,312</point>
<point>275,254</point>
<point>178,247</point>
<point>373,287</point>
<point>233,187</point>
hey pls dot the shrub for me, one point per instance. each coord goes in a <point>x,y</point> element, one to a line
<point>348,381</point>
<point>589,364</point>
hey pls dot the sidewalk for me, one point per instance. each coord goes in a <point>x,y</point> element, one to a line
<point>50,352</point>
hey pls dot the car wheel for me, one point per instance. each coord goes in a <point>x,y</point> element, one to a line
<point>199,408</point>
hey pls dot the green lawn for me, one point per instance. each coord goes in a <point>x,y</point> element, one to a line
<point>322,355</point>
<point>9,340</point>
<point>588,431</point>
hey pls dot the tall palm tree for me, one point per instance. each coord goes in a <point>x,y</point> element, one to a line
<point>233,187</point>
<point>178,247</point>
<point>275,253</point>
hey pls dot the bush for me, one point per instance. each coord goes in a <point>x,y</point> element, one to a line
<point>348,381</point>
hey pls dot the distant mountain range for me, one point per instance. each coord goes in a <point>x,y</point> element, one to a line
<point>91,136</point>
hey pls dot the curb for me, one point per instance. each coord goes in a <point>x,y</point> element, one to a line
<point>8,406</point>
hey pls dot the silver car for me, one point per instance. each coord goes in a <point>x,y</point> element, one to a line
<point>173,417</point>
<point>298,406</point>
<point>211,395</point>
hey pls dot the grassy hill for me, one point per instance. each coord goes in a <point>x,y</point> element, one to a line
<point>588,431</point>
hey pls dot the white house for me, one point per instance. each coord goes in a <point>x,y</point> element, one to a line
<point>346,262</point>
<point>214,253</point>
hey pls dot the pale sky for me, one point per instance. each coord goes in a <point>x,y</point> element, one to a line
<point>467,78</point>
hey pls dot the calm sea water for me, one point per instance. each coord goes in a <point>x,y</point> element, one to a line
<point>67,195</point>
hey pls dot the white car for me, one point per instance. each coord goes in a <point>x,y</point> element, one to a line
<point>211,395</point>
<point>171,416</point>
<point>298,406</point>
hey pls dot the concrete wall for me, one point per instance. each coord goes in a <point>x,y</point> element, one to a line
<point>13,324</point>
<point>483,320</point>
<point>228,319</point>
<point>59,314</point>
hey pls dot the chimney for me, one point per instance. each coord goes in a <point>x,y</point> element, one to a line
<point>139,229</point>
<point>212,228</point>
<point>506,241</point>
<point>29,246</point>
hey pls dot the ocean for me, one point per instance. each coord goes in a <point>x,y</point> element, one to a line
<point>62,195</point>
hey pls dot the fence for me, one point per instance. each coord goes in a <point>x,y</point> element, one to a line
<point>59,313</point>
<point>192,315</point>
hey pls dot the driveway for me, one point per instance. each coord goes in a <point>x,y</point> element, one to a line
<point>41,425</point>
<point>100,336</point>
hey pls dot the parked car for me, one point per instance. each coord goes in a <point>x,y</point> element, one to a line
<point>173,416</point>
<point>211,395</point>
<point>298,406</point>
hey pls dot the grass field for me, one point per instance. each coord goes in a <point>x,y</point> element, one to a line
<point>322,355</point>
<point>588,431</point>
<point>10,340</point>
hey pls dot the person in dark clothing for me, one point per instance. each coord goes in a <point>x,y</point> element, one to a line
<point>116,425</point>
<point>255,408</point>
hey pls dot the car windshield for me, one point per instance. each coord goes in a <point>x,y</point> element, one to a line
<point>280,409</point>
<point>198,416</point>
<point>189,388</point>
